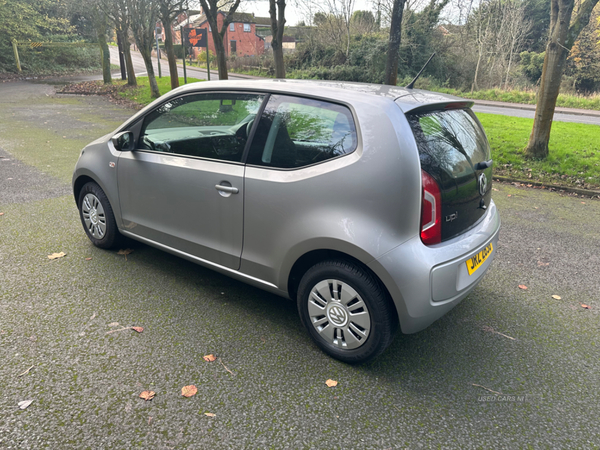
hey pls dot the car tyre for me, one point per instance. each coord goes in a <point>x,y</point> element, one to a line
<point>346,311</point>
<point>97,216</point>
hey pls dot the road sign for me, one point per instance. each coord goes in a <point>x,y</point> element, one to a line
<point>197,37</point>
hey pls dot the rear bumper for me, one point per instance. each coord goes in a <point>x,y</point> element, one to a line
<point>427,282</point>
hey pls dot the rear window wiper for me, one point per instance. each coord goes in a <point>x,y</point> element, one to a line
<point>483,165</point>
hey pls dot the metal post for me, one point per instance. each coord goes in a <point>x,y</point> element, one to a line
<point>14,44</point>
<point>207,58</point>
<point>157,52</point>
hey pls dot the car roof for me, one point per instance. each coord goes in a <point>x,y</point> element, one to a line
<point>342,91</point>
<point>406,99</point>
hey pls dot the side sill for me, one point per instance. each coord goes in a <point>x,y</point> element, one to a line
<point>210,265</point>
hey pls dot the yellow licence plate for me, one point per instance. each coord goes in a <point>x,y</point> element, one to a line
<point>476,261</point>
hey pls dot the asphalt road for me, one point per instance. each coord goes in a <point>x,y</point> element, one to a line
<point>192,72</point>
<point>528,111</point>
<point>508,368</point>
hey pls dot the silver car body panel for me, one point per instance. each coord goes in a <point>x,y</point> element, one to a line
<point>174,200</point>
<point>280,215</point>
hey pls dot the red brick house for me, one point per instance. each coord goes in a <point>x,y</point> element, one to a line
<point>240,38</point>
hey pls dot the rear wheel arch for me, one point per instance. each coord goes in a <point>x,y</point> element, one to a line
<point>313,257</point>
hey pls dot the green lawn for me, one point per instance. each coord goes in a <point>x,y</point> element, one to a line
<point>574,157</point>
<point>141,94</point>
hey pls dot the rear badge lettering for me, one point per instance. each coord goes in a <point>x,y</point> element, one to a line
<point>452,217</point>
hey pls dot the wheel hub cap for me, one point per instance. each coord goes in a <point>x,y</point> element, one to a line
<point>93,216</point>
<point>339,314</point>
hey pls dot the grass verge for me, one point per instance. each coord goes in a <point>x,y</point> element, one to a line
<point>141,93</point>
<point>574,158</point>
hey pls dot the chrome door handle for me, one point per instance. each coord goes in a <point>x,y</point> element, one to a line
<point>227,189</point>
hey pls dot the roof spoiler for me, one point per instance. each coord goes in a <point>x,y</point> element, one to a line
<point>412,83</point>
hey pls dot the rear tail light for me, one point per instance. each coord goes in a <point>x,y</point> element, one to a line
<point>431,211</point>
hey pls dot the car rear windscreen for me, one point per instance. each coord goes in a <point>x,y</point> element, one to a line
<point>451,143</point>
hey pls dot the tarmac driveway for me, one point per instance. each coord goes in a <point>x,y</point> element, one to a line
<point>508,368</point>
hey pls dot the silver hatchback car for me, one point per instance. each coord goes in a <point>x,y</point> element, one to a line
<point>369,205</point>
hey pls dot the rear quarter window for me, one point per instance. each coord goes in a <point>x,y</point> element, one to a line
<point>295,132</point>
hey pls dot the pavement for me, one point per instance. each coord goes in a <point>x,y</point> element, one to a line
<point>507,368</point>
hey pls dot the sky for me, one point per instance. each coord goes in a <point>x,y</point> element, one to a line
<point>293,14</point>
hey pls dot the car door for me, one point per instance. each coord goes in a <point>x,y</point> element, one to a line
<point>182,187</point>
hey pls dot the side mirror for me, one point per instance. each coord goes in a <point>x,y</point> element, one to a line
<point>123,141</point>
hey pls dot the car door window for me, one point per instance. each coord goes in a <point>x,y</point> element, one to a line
<point>214,126</point>
<point>296,132</point>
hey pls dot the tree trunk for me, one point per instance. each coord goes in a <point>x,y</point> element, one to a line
<point>474,86</point>
<point>173,72</point>
<point>106,75</point>
<point>131,79</point>
<point>221,56</point>
<point>277,30</point>
<point>211,9</point>
<point>562,37</point>
<point>393,55</point>
<point>147,55</point>
<point>554,64</point>
<point>101,26</point>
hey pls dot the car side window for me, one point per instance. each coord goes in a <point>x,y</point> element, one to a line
<point>295,132</point>
<point>214,125</point>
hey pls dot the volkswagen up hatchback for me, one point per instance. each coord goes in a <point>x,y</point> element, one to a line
<point>368,205</point>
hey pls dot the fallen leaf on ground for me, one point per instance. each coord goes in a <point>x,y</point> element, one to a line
<point>209,358</point>
<point>189,391</point>
<point>585,306</point>
<point>542,264</point>
<point>113,324</point>
<point>147,395</point>
<point>25,404</point>
<point>557,297</point>
<point>509,195</point>
<point>138,329</point>
<point>125,252</point>
<point>88,259</point>
<point>56,255</point>
<point>522,286</point>
<point>1,214</point>
<point>210,414</point>
<point>331,383</point>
